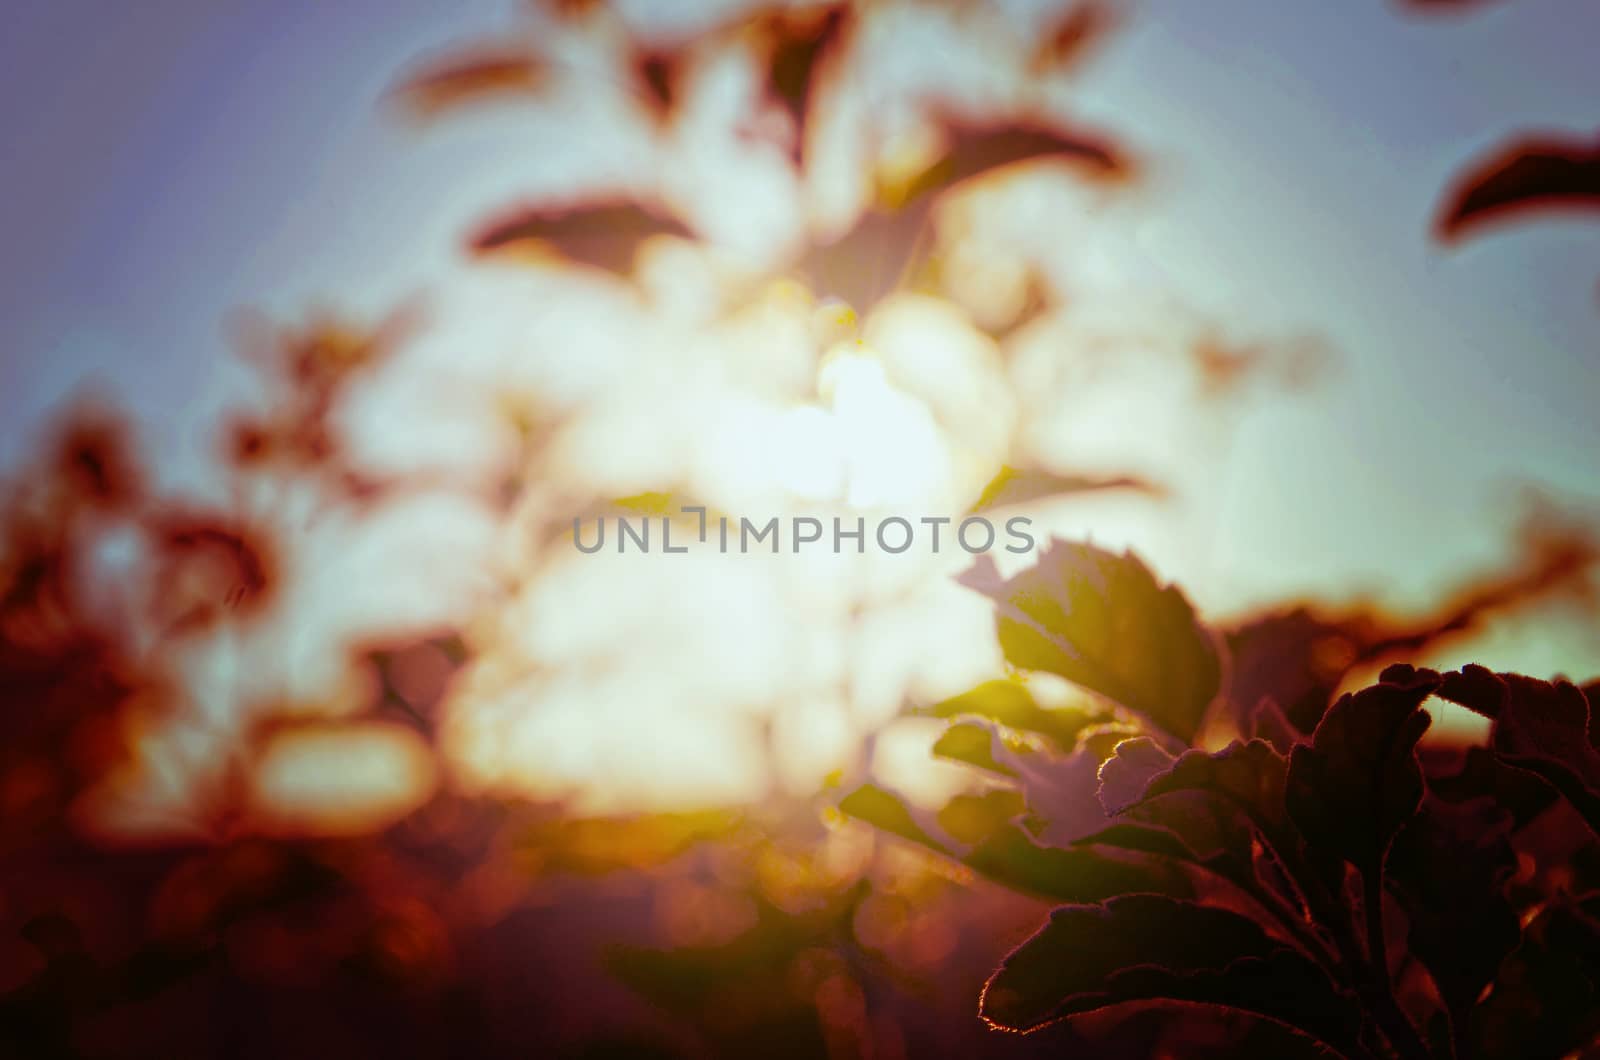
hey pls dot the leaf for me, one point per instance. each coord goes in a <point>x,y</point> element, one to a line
<point>1249,775</point>
<point>1294,658</point>
<point>1083,872</point>
<point>1087,872</point>
<point>1546,999</point>
<point>1534,174</point>
<point>471,77</point>
<point>1540,726</point>
<point>975,148</point>
<point>1226,808</point>
<point>1059,788</point>
<point>1125,775</point>
<point>1484,775</point>
<point>881,809</point>
<point>1021,486</point>
<point>1358,782</point>
<point>1268,722</point>
<point>881,250</point>
<point>797,49</point>
<point>603,234</point>
<point>1449,867</point>
<point>972,743</point>
<point>1075,36</point>
<point>1102,621</point>
<point>1011,704</point>
<point>1144,948</point>
<point>970,818</point>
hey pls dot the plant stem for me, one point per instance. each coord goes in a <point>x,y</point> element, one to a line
<point>1396,1026</point>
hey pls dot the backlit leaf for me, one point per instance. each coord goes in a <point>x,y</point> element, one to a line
<point>1142,948</point>
<point>1102,621</point>
<point>1540,726</point>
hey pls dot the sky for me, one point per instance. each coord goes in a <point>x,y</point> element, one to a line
<point>168,163</point>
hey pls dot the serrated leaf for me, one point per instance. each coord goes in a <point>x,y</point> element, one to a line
<point>1125,775</point>
<point>1227,810</point>
<point>1102,621</point>
<point>1539,726</point>
<point>1150,948</point>
<point>1358,782</point>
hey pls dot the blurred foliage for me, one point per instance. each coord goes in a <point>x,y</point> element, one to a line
<point>1244,861</point>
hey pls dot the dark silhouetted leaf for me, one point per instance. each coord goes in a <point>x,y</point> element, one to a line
<point>1268,722</point>
<point>600,234</point>
<point>1227,810</point>
<point>1143,947</point>
<point>1545,1003</point>
<point>1358,782</point>
<point>1102,621</point>
<point>1483,774</point>
<point>1539,726</point>
<point>1299,657</point>
<point>1085,872</point>
<point>1449,866</point>
<point>1527,176</point>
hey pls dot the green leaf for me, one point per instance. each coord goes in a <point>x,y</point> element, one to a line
<point>1008,855</point>
<point>1011,704</point>
<point>1102,621</point>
